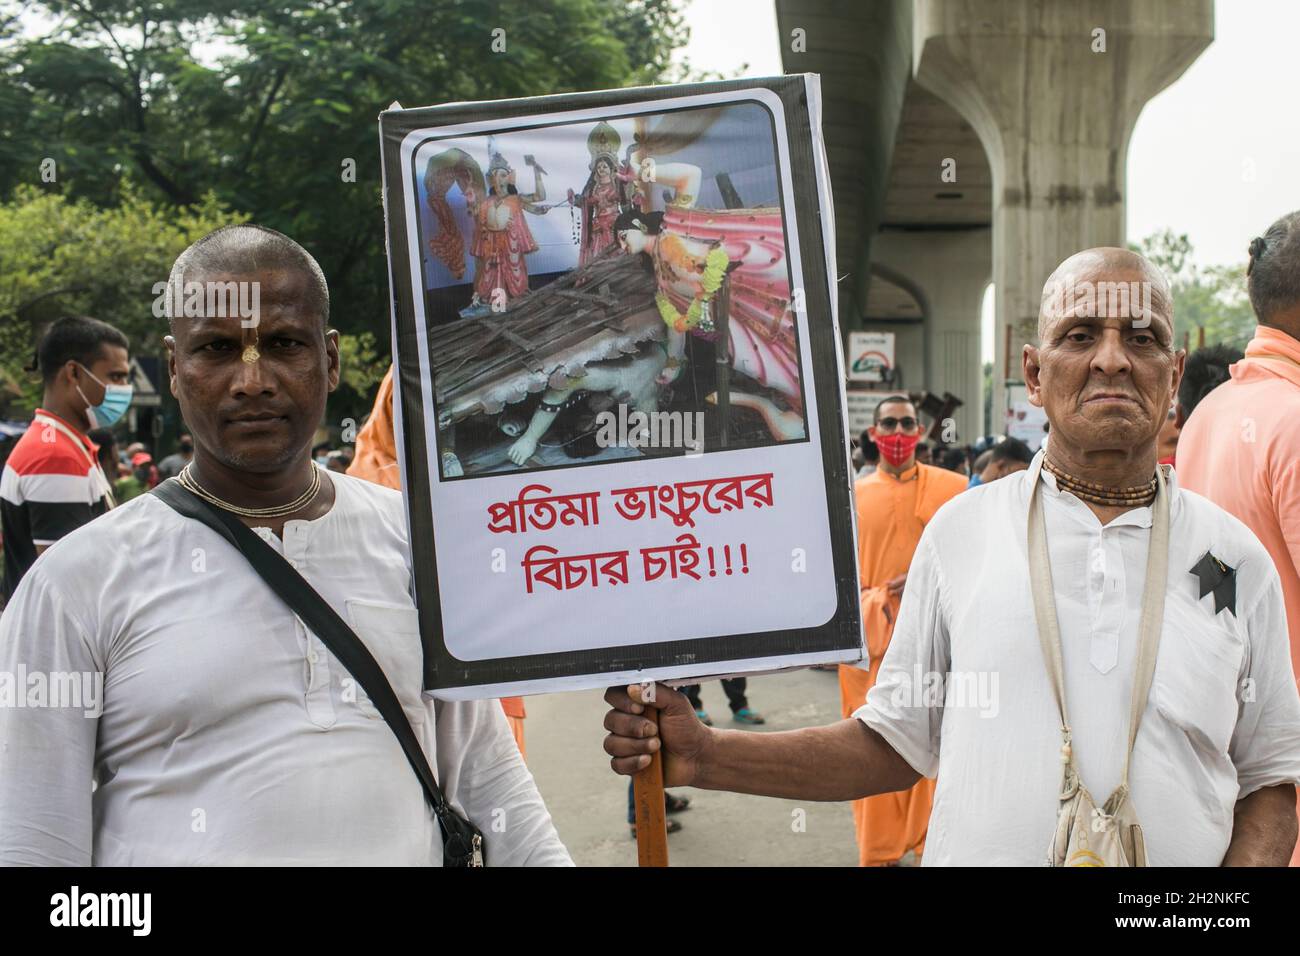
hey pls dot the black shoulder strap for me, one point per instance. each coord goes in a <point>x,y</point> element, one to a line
<point>462,842</point>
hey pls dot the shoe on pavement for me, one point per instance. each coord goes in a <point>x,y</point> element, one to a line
<point>676,804</point>
<point>705,719</point>
<point>747,716</point>
<point>672,827</point>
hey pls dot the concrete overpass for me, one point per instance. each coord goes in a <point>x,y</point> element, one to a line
<point>972,141</point>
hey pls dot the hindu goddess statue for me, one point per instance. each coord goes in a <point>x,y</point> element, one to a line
<point>603,197</point>
<point>501,235</point>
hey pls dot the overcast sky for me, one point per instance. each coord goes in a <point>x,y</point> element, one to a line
<point>1216,155</point>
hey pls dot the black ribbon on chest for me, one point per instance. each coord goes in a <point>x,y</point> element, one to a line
<point>1216,576</point>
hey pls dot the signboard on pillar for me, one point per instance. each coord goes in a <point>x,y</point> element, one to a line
<point>1024,421</point>
<point>871,356</point>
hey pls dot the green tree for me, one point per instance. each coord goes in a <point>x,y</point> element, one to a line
<point>60,256</point>
<point>1209,298</point>
<point>271,105</point>
<point>363,360</point>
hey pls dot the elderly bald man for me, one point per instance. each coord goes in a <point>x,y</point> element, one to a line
<point>1096,658</point>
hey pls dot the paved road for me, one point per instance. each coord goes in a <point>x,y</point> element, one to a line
<point>589,803</point>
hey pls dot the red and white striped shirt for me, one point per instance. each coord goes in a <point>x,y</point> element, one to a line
<point>52,484</point>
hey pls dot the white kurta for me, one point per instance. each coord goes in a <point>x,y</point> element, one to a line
<point>1222,719</point>
<point>230,735</point>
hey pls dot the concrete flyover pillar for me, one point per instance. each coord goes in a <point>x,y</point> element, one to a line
<point>1053,88</point>
<point>951,268</point>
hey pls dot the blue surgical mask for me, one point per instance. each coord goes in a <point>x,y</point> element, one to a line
<point>117,399</point>
<point>975,479</point>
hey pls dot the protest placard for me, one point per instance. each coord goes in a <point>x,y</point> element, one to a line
<point>620,389</point>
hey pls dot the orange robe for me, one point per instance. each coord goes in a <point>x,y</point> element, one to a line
<point>376,460</point>
<point>892,513</point>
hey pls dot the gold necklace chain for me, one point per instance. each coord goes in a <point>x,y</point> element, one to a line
<point>275,511</point>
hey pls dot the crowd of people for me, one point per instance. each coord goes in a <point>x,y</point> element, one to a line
<point>1140,624</point>
<point>131,471</point>
<point>989,458</point>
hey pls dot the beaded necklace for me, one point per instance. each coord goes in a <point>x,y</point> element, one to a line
<point>1098,494</point>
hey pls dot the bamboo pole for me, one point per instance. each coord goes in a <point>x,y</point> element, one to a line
<point>648,798</point>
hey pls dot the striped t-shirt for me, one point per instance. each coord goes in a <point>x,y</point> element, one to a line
<point>52,484</point>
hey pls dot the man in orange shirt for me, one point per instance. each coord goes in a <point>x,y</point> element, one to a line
<point>1241,447</point>
<point>376,460</point>
<point>894,503</point>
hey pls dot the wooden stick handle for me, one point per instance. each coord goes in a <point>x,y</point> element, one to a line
<point>648,796</point>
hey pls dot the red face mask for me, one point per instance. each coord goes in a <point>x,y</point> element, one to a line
<point>897,447</point>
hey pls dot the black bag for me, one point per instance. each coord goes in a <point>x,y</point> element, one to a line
<point>462,842</point>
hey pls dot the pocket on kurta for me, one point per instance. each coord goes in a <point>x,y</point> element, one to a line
<point>1195,682</point>
<point>392,634</point>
